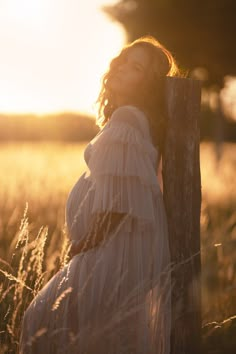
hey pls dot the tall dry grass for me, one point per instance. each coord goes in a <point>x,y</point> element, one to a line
<point>35,180</point>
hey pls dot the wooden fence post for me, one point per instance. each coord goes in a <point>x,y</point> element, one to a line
<point>182,198</point>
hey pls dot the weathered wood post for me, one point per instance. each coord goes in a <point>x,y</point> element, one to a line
<point>182,198</point>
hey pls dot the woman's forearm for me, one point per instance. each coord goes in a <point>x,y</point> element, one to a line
<point>101,226</point>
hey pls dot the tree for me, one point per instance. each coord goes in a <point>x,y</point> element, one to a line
<point>199,33</point>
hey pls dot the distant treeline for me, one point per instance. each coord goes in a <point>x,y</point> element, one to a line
<point>76,127</point>
<point>214,126</point>
<point>64,126</point>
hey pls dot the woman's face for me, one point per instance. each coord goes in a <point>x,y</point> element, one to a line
<point>130,73</point>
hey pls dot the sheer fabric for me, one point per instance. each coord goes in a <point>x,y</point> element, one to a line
<point>114,298</point>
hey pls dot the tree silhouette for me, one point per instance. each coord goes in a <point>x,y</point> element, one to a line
<point>199,33</point>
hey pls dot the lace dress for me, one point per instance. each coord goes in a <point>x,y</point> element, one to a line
<point>114,298</point>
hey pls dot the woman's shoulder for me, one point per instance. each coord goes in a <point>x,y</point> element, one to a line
<point>132,115</point>
<point>129,110</point>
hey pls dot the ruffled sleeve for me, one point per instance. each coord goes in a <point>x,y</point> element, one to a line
<point>122,169</point>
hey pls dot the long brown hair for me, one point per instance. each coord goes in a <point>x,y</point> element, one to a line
<point>151,95</point>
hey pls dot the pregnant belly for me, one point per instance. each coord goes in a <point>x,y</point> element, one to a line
<point>78,206</point>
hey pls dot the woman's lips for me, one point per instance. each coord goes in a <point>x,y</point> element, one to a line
<point>116,80</point>
<point>117,76</point>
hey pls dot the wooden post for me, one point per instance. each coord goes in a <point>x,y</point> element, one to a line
<point>182,198</point>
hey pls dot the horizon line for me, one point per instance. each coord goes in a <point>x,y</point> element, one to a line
<point>56,112</point>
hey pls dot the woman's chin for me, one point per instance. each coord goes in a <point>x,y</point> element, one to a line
<point>114,83</point>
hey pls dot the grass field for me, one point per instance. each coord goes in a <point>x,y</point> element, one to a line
<point>35,180</point>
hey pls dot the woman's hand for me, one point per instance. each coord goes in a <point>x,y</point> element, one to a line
<point>78,247</point>
<point>73,249</point>
<point>101,226</point>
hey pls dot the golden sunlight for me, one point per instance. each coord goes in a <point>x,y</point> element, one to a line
<point>26,10</point>
<point>53,54</point>
<point>228,97</point>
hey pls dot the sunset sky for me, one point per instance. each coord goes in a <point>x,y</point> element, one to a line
<point>53,54</point>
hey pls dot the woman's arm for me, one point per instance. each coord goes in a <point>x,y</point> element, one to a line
<point>102,224</point>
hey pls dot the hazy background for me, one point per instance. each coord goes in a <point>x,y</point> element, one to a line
<point>53,54</point>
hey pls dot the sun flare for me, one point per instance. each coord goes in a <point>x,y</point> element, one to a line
<point>25,9</point>
<point>53,54</point>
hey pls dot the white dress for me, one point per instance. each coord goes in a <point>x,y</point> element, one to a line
<point>114,298</point>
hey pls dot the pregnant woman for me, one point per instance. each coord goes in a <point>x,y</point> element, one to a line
<point>113,296</point>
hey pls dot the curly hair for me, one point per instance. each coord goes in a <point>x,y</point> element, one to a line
<point>150,95</point>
